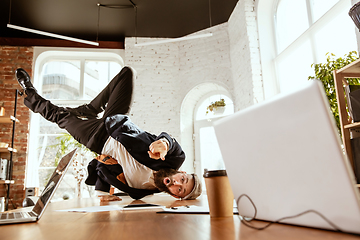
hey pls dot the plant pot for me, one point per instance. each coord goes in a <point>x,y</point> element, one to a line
<point>219,110</point>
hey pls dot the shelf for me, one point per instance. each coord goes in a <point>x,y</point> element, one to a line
<point>351,69</point>
<point>13,120</point>
<point>8,119</point>
<point>8,149</point>
<point>7,181</point>
<point>352,125</point>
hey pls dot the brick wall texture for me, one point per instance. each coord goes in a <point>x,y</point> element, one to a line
<point>12,58</point>
<point>166,74</point>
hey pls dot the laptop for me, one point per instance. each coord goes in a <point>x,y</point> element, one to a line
<point>285,154</point>
<point>38,210</point>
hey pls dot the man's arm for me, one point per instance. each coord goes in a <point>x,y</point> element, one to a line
<point>134,193</point>
<point>174,156</point>
<point>158,149</point>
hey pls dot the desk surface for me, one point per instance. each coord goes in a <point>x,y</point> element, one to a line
<point>149,225</point>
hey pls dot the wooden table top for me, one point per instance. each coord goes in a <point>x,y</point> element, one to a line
<point>147,224</point>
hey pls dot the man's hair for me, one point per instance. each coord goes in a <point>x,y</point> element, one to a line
<point>159,178</point>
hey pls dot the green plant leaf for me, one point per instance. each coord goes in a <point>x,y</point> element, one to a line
<point>324,73</point>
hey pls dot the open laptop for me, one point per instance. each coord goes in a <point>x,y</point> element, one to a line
<point>48,192</point>
<point>285,154</point>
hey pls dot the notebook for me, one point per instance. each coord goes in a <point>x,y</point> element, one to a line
<point>48,192</point>
<point>285,154</point>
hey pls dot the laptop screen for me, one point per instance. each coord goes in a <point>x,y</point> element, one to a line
<point>53,183</point>
<point>285,154</point>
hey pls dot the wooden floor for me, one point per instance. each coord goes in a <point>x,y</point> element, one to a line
<point>148,224</point>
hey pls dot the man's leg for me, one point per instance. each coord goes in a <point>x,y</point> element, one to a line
<point>115,98</point>
<point>89,132</point>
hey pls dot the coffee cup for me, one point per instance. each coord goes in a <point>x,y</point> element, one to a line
<point>219,194</point>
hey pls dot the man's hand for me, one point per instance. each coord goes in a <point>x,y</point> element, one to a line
<point>158,149</point>
<point>108,198</point>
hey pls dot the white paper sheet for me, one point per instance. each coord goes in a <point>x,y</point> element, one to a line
<point>93,209</point>
<point>114,207</point>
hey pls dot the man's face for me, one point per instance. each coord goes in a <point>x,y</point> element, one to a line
<point>179,184</point>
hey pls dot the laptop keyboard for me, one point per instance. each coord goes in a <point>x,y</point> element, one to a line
<point>16,215</point>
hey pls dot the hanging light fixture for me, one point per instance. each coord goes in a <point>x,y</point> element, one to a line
<point>51,34</point>
<point>170,40</point>
<point>48,34</point>
<point>115,7</point>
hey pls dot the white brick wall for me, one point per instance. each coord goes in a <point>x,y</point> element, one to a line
<point>245,55</point>
<point>168,72</point>
<point>156,106</point>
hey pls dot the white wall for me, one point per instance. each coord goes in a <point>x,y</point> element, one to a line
<point>245,55</point>
<point>168,72</point>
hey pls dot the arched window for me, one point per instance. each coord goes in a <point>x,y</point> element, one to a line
<point>207,152</point>
<point>295,34</point>
<point>67,78</point>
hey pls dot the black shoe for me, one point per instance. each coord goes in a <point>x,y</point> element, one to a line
<point>84,111</point>
<point>24,79</point>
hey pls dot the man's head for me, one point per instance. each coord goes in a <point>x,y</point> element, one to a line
<point>177,183</point>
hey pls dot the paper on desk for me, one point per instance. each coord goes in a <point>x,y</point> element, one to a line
<point>93,209</point>
<point>113,207</point>
<point>190,210</point>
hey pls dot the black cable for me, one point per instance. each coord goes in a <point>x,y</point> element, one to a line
<point>246,221</point>
<point>9,11</point>
<point>133,5</point>
<point>98,23</point>
<point>210,13</point>
<point>7,186</point>
<point>135,24</point>
<point>115,6</point>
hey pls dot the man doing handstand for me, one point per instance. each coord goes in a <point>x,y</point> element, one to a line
<point>132,160</point>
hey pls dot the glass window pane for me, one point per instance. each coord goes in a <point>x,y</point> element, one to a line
<point>320,7</point>
<point>211,157</point>
<point>97,75</point>
<point>47,127</point>
<point>339,42</point>
<point>291,21</point>
<point>295,69</point>
<point>61,80</point>
<point>201,112</point>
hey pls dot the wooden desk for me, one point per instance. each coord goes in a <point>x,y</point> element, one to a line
<point>149,225</point>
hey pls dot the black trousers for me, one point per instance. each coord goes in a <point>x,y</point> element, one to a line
<point>115,98</point>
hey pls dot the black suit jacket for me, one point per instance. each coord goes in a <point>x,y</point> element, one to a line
<point>137,142</point>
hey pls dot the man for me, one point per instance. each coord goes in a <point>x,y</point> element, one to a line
<point>134,161</point>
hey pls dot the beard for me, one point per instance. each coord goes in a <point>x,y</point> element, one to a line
<point>159,178</point>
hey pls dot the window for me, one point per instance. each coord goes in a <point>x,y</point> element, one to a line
<point>291,21</point>
<point>67,79</point>
<point>301,33</point>
<point>207,151</point>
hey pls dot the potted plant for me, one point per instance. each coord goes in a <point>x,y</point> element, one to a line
<point>216,107</point>
<point>324,73</point>
<point>65,143</point>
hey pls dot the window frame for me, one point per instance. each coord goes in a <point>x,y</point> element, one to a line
<point>269,53</point>
<point>41,57</point>
<point>198,124</point>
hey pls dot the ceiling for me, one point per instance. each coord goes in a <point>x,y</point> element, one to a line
<point>79,18</point>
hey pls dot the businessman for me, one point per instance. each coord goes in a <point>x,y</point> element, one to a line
<point>130,159</point>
